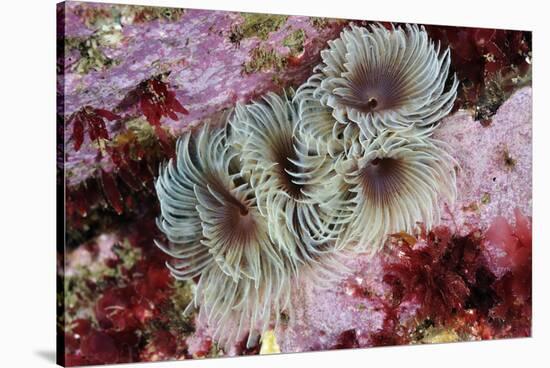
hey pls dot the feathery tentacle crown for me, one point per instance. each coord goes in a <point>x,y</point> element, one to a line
<point>209,215</point>
<point>294,180</point>
<point>298,182</point>
<point>386,79</point>
<point>374,102</point>
<point>396,180</point>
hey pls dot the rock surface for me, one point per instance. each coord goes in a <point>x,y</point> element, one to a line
<point>495,174</point>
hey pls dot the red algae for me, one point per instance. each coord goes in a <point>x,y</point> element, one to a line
<point>482,56</point>
<point>92,120</point>
<point>155,100</point>
<point>508,248</point>
<point>434,274</point>
<point>128,304</point>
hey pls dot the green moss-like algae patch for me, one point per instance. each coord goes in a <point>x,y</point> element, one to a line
<point>261,25</point>
<point>263,59</point>
<point>295,42</point>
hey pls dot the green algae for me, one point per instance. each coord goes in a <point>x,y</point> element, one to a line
<point>318,22</point>
<point>260,25</point>
<point>178,322</point>
<point>97,17</point>
<point>439,335</point>
<point>486,198</point>
<point>215,351</point>
<point>236,35</point>
<point>262,60</point>
<point>295,42</point>
<point>139,136</point>
<point>498,88</point>
<point>139,133</point>
<point>91,55</point>
<point>277,80</point>
<point>321,23</point>
<point>139,14</point>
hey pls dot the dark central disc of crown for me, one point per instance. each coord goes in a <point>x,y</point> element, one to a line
<point>237,221</point>
<point>372,103</point>
<point>239,225</point>
<point>381,179</point>
<point>283,152</point>
<point>373,91</point>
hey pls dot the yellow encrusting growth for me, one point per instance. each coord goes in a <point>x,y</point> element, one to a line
<point>440,336</point>
<point>269,343</point>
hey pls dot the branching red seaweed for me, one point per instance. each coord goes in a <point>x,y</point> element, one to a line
<point>490,64</point>
<point>135,311</point>
<point>154,99</point>
<point>92,120</point>
<point>475,284</point>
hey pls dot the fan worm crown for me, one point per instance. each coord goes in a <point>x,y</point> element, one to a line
<point>381,78</point>
<point>397,180</point>
<point>209,215</point>
<point>295,183</point>
<point>292,185</point>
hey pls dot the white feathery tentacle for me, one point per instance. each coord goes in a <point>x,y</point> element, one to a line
<point>318,124</point>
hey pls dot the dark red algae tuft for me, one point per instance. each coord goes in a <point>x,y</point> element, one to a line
<point>489,63</point>
<point>155,99</point>
<point>91,120</point>
<point>479,284</point>
<point>134,309</point>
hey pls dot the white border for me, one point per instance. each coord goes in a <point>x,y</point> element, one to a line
<point>27,110</point>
